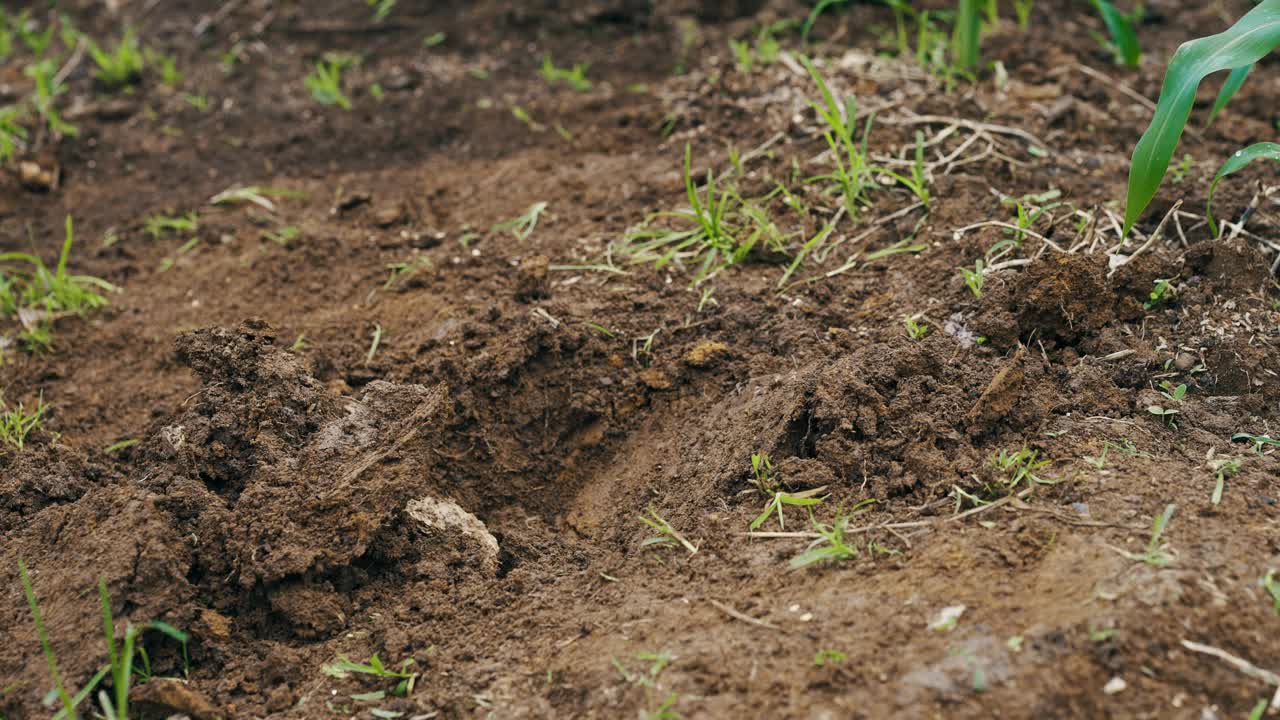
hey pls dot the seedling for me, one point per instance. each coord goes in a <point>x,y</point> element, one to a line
<point>12,135</point>
<point>762,470</point>
<point>1222,469</point>
<point>1124,40</point>
<point>1159,294</point>
<point>48,291</point>
<point>434,39</point>
<point>649,678</point>
<point>68,707</point>
<point>381,8</point>
<point>915,329</point>
<point>830,546</point>
<point>119,445</point>
<point>667,535</point>
<point>1170,392</point>
<point>16,423</point>
<point>159,225</point>
<point>1254,36</point>
<point>343,667</point>
<point>1259,441</point>
<point>1235,163</point>
<point>575,77</point>
<point>1157,554</point>
<point>665,711</point>
<point>1272,586</point>
<point>325,83</point>
<point>47,89</point>
<point>781,499</point>
<point>168,65</point>
<point>523,226</point>
<point>973,278</point>
<point>260,196</point>
<point>1099,462</point>
<point>400,271</point>
<point>1165,414</point>
<point>373,346</point>
<point>1022,10</point>
<point>1019,466</point>
<point>853,173</point>
<point>120,67</point>
<point>823,657</point>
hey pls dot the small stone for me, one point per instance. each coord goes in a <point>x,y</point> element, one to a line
<point>706,354</point>
<point>350,201</point>
<point>655,379</point>
<point>1185,361</point>
<point>169,697</point>
<point>214,625</point>
<point>532,278</point>
<point>388,215</point>
<point>37,178</point>
<point>279,699</point>
<point>1115,685</point>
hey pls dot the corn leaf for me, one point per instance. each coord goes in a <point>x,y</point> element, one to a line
<point>1122,33</point>
<point>1246,42</point>
<point>1235,163</point>
<point>1229,89</point>
<point>966,37</point>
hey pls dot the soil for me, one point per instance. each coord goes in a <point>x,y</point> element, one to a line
<point>465,491</point>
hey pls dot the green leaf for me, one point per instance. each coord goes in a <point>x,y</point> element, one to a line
<point>1229,89</point>
<point>1246,42</point>
<point>1122,33</point>
<point>1235,163</point>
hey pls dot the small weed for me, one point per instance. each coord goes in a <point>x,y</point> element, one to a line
<point>762,472</point>
<point>831,545</point>
<point>116,447</point>
<point>824,657</point>
<point>1165,414</point>
<point>434,39</point>
<point>1171,392</point>
<point>260,196</point>
<point>50,292</point>
<point>1161,292</point>
<point>1099,462</point>
<point>343,667</point>
<point>523,226</point>
<point>197,101</point>
<point>973,278</point>
<point>121,66</point>
<point>1222,469</point>
<point>1099,635</point>
<point>649,677</point>
<point>168,66</point>
<point>159,225</point>
<point>853,174</point>
<point>667,535</point>
<point>1019,466</point>
<point>575,77</point>
<point>325,83</point>
<point>665,711</point>
<point>1272,586</point>
<point>1180,172</point>
<point>16,423</point>
<point>381,8</point>
<point>782,499</point>
<point>915,329</point>
<point>1258,441</point>
<point>68,707</point>
<point>401,271</point>
<point>47,89</point>
<point>373,346</point>
<point>1157,554</point>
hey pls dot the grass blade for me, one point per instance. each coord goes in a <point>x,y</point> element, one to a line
<point>68,706</point>
<point>965,40</point>
<point>1244,43</point>
<point>1235,163</point>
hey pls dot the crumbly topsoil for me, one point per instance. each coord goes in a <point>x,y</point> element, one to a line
<point>467,494</point>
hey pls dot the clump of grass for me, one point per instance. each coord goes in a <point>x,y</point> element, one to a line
<point>831,544</point>
<point>26,282</point>
<point>762,472</point>
<point>121,66</point>
<point>1019,467</point>
<point>575,77</point>
<point>325,82</point>
<point>16,423</point>
<point>853,173</point>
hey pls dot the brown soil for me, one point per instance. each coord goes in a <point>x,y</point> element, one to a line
<point>468,495</point>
